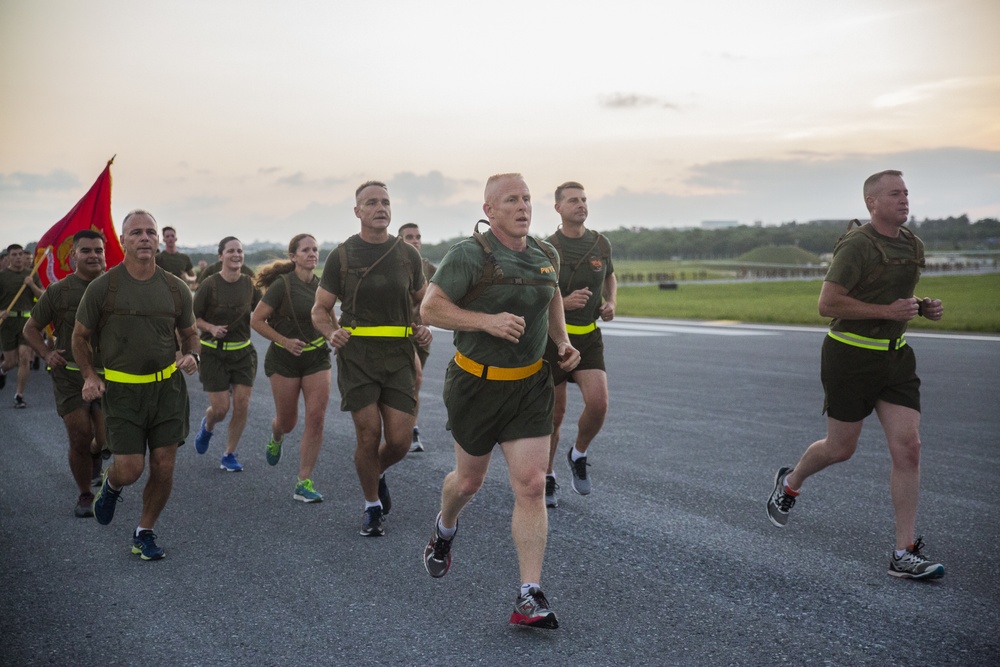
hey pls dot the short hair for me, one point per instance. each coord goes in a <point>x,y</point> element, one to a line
<point>495,178</point>
<point>407,225</point>
<point>167,229</point>
<point>568,185</point>
<point>14,246</point>
<point>87,234</point>
<point>139,211</point>
<point>223,242</point>
<point>872,181</point>
<point>368,184</point>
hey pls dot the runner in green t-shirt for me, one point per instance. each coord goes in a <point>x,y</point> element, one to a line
<point>18,291</point>
<point>84,420</point>
<point>497,388</point>
<point>172,260</point>
<point>135,314</point>
<point>867,365</point>
<point>222,307</point>
<point>378,279</point>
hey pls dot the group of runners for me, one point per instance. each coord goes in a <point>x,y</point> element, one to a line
<point>524,313</point>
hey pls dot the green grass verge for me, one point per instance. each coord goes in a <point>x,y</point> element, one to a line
<point>971,303</point>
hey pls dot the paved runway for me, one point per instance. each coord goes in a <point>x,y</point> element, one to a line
<point>670,561</point>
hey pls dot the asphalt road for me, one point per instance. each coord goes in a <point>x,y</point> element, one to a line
<point>670,561</point>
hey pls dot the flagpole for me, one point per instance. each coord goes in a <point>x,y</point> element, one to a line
<point>17,296</point>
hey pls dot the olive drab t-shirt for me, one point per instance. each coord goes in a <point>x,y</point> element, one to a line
<point>227,304</point>
<point>856,257</point>
<point>292,320</point>
<point>10,283</point>
<point>58,305</point>
<point>590,271</point>
<point>174,262</point>
<point>139,337</point>
<point>462,269</point>
<point>384,294</point>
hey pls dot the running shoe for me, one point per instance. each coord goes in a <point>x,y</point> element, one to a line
<point>373,522</point>
<point>780,503</point>
<point>230,464</point>
<point>19,402</point>
<point>272,452</point>
<point>203,438</point>
<point>532,609</point>
<point>437,553</point>
<point>383,495</point>
<point>914,565</point>
<point>551,492</point>
<point>580,483</point>
<point>105,501</point>
<point>144,544</point>
<point>416,445</point>
<point>84,506</point>
<point>305,492</point>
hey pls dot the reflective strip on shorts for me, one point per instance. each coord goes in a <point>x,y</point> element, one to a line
<point>129,378</point>
<point>883,344</point>
<point>226,345</point>
<point>381,332</point>
<point>495,372</point>
<point>579,330</point>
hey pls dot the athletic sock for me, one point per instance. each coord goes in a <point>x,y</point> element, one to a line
<point>789,490</point>
<point>140,529</point>
<point>577,454</point>
<point>369,505</point>
<point>446,533</point>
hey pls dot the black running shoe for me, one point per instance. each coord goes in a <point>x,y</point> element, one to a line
<point>437,553</point>
<point>578,468</point>
<point>373,522</point>
<point>532,609</point>
<point>105,502</point>
<point>914,565</point>
<point>551,492</point>
<point>383,495</point>
<point>780,503</point>
<point>144,544</point>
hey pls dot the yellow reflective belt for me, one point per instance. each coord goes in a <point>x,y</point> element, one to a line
<point>226,345</point>
<point>884,344</point>
<point>129,378</point>
<point>496,372</point>
<point>580,329</point>
<point>313,345</point>
<point>381,332</point>
<point>19,313</point>
<point>71,367</point>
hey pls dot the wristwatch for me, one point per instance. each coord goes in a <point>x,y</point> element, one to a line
<point>197,359</point>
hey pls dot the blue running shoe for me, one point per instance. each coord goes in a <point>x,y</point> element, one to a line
<point>305,492</point>
<point>203,438</point>
<point>105,502</point>
<point>383,495</point>
<point>373,522</point>
<point>230,464</point>
<point>273,452</point>
<point>144,544</point>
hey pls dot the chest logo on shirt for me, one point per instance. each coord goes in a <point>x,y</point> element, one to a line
<point>547,269</point>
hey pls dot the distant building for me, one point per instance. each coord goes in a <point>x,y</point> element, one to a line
<point>719,224</point>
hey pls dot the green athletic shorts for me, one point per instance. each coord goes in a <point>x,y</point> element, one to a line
<point>11,332</point>
<point>591,348</point>
<point>377,370</point>
<point>482,413</point>
<point>221,368</point>
<point>422,353</point>
<point>141,416</point>
<point>854,379</point>
<point>67,386</point>
<point>278,360</point>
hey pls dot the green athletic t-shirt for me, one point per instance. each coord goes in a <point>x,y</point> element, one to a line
<point>10,283</point>
<point>462,269</point>
<point>855,258</point>
<point>57,306</point>
<point>292,319</point>
<point>229,304</point>
<point>582,264</point>
<point>176,263</point>
<point>138,337</point>
<point>384,294</point>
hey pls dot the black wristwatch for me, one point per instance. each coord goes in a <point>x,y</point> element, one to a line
<point>197,359</point>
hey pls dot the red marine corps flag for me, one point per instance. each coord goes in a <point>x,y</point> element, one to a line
<point>91,212</point>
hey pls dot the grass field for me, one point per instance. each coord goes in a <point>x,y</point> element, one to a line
<point>971,303</point>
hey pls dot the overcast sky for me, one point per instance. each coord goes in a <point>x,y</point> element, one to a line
<point>259,119</point>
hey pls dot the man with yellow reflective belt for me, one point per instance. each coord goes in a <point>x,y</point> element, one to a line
<point>134,314</point>
<point>378,279</point>
<point>497,388</point>
<point>84,420</point>
<point>589,291</point>
<point>16,281</point>
<point>867,365</point>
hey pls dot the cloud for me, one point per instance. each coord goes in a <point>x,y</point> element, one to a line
<point>923,91</point>
<point>632,101</point>
<point>267,171</point>
<point>428,189</point>
<point>299,180</point>
<point>23,182</point>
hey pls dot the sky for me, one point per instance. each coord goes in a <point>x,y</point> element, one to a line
<point>259,119</point>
